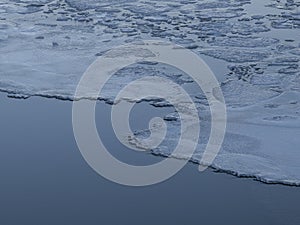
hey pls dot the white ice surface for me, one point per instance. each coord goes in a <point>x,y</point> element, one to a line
<point>46,45</point>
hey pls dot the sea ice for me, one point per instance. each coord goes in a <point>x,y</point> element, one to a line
<point>46,45</point>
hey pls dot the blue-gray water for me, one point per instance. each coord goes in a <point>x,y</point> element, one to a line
<point>44,180</point>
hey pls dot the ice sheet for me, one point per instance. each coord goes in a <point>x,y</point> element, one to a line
<point>46,45</point>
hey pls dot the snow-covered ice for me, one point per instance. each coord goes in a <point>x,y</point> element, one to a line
<point>46,45</point>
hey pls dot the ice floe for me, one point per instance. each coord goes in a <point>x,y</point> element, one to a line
<point>46,45</point>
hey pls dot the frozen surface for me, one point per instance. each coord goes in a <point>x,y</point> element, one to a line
<point>46,45</point>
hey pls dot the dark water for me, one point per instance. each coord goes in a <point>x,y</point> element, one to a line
<point>44,179</point>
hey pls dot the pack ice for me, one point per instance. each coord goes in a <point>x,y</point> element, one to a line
<point>46,45</point>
